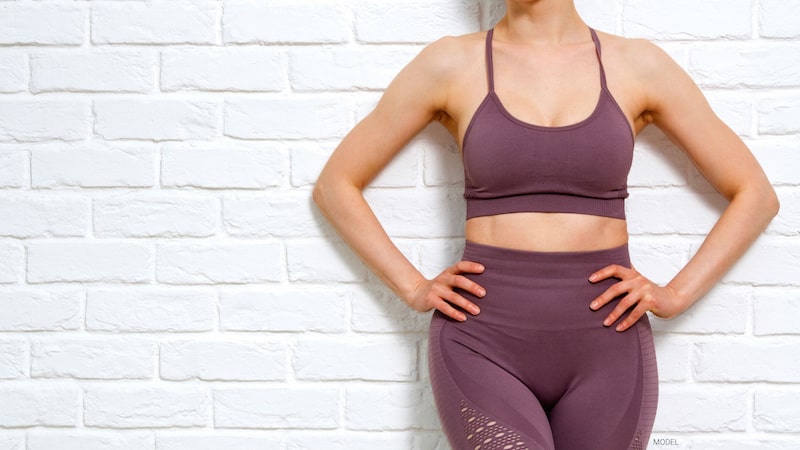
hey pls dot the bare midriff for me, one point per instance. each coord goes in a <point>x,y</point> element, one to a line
<point>547,232</point>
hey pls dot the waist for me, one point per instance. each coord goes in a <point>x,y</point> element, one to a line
<point>547,232</point>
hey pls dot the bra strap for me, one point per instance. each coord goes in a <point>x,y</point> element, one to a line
<point>489,63</point>
<point>599,59</point>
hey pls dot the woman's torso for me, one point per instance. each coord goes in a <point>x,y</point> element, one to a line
<point>533,84</point>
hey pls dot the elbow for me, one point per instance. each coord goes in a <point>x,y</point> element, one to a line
<point>773,204</point>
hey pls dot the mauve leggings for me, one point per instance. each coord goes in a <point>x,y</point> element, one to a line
<point>536,369</point>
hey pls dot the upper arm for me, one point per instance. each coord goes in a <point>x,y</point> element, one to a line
<point>676,105</point>
<point>412,100</point>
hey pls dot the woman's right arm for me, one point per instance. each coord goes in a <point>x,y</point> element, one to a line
<point>416,96</point>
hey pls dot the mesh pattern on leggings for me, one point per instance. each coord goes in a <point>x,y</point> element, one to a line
<point>484,433</point>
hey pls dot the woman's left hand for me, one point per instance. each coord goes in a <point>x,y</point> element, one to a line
<point>663,301</point>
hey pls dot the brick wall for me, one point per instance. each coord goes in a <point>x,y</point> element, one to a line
<point>166,283</point>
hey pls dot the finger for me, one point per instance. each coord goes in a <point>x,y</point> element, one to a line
<point>613,270</point>
<point>465,304</point>
<point>614,291</point>
<point>448,310</point>
<point>468,285</point>
<point>631,318</point>
<point>623,305</point>
<point>467,267</point>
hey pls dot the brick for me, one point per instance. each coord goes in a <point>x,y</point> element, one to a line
<point>217,440</point>
<point>284,21</point>
<point>14,168</point>
<point>77,71</point>
<point>220,360</point>
<point>733,108</point>
<point>150,309</point>
<point>42,24</point>
<point>775,311</point>
<point>442,157</point>
<point>77,261</point>
<point>41,309</point>
<point>438,254</point>
<point>299,117</point>
<point>775,410</point>
<point>12,263</point>
<point>787,220</point>
<point>30,404</point>
<point>769,261</point>
<point>602,15</point>
<point>152,23</point>
<point>89,440</point>
<point>777,18</point>
<point>285,214</point>
<point>679,212</point>
<point>318,260</point>
<point>414,21</point>
<point>41,120</point>
<point>349,440</point>
<point>673,357</point>
<point>777,155</point>
<point>151,407</point>
<point>738,360</point>
<point>701,408</point>
<point>155,215</point>
<point>222,69</point>
<point>100,359</point>
<point>89,166</point>
<point>707,20</point>
<point>419,213</point>
<point>659,259</point>
<point>777,115</point>
<point>346,68</point>
<point>219,263</point>
<point>13,359</point>
<point>227,168</point>
<point>40,215</point>
<point>307,160</point>
<point>656,162</point>
<point>10,440</point>
<point>375,358</point>
<point>723,310</point>
<point>375,309</point>
<point>745,64</point>
<point>13,71</point>
<point>276,407</point>
<point>382,408</point>
<point>155,119</point>
<point>297,308</point>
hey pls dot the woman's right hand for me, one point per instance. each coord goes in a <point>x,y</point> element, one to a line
<point>439,292</point>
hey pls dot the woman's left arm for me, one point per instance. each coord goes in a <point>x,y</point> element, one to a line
<point>677,106</point>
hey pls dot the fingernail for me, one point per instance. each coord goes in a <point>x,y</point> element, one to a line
<point>619,327</point>
<point>607,322</point>
<point>592,277</point>
<point>593,305</point>
<point>475,309</point>
<point>463,318</point>
<point>481,292</point>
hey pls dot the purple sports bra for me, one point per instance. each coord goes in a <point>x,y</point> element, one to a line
<point>515,166</point>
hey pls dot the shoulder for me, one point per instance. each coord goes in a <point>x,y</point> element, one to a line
<point>449,55</point>
<point>639,55</point>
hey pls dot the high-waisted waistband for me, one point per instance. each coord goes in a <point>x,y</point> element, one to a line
<point>558,264</point>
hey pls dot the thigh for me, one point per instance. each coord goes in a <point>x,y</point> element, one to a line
<point>613,405</point>
<point>480,404</point>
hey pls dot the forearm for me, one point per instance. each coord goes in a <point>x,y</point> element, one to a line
<point>346,209</point>
<point>745,218</point>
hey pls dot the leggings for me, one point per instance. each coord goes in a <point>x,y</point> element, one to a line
<point>536,369</point>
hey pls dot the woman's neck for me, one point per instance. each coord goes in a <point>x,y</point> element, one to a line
<point>547,22</point>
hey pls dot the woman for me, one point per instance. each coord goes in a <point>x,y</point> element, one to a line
<point>539,338</point>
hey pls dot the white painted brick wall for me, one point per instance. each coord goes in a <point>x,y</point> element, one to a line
<point>166,282</point>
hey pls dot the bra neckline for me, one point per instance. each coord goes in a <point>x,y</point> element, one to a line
<point>502,108</point>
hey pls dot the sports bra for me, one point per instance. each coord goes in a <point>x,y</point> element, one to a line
<point>514,166</point>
